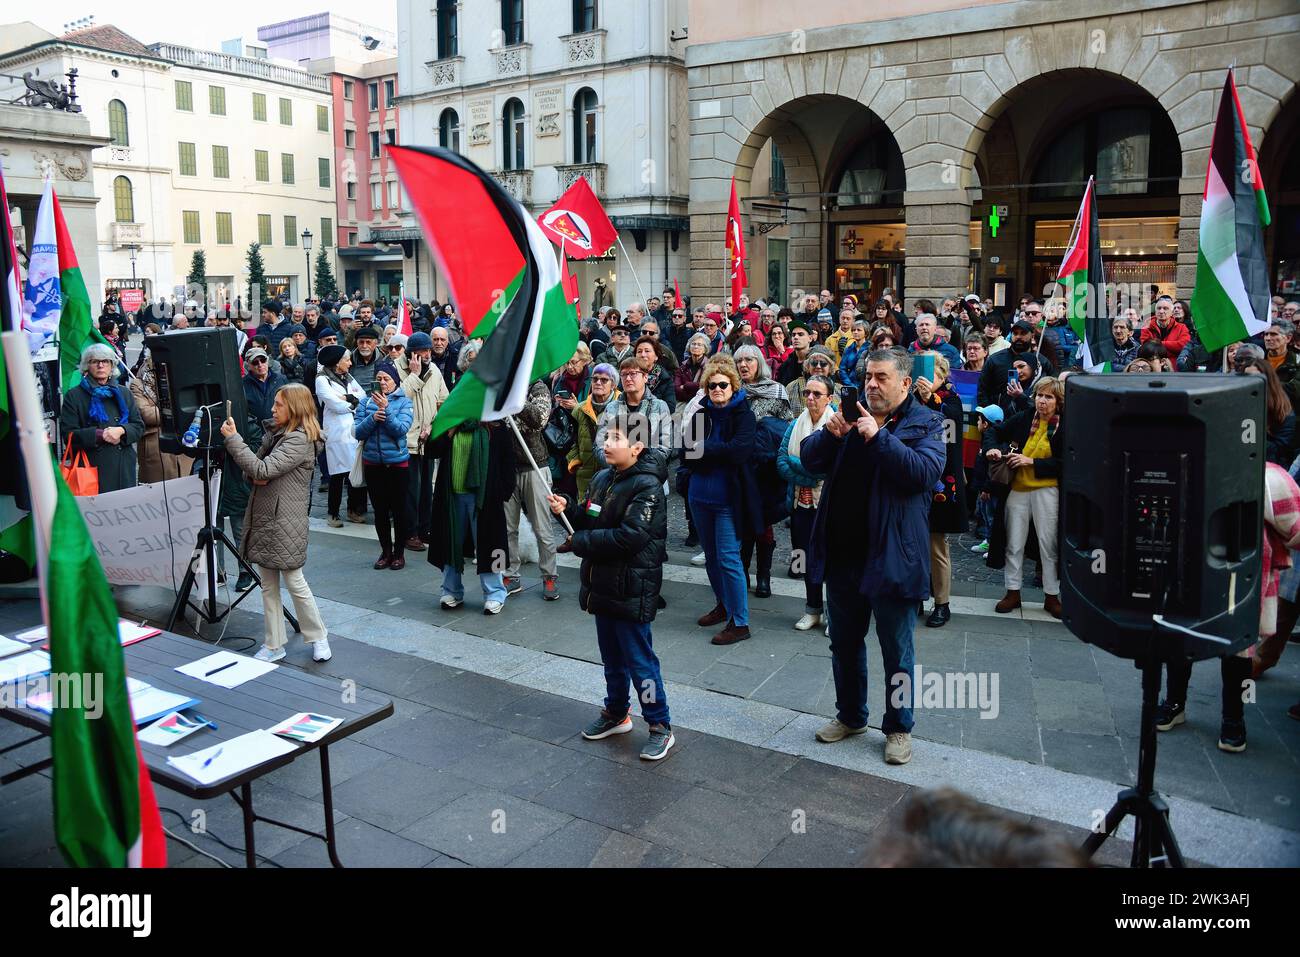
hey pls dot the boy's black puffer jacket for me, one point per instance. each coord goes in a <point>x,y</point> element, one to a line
<point>623,547</point>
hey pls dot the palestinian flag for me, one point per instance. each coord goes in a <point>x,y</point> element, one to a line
<point>1084,280</point>
<point>502,275</point>
<point>16,533</point>
<point>76,327</point>
<point>1231,301</point>
<point>105,812</point>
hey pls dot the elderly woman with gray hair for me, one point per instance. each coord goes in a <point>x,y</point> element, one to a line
<point>101,418</point>
<point>772,410</point>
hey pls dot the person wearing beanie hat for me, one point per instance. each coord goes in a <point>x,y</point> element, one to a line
<point>381,424</point>
<point>817,361</point>
<point>397,339</point>
<point>345,311</point>
<point>365,356</point>
<point>339,396</point>
<point>423,383</point>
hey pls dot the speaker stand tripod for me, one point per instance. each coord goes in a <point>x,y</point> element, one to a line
<point>1154,844</point>
<point>205,546</point>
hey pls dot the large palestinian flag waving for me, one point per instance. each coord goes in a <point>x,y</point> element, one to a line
<point>1230,301</point>
<point>1084,280</point>
<point>503,277</point>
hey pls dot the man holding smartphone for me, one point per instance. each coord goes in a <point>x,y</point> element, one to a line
<point>868,542</point>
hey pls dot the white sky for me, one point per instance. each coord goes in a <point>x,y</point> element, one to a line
<point>202,25</point>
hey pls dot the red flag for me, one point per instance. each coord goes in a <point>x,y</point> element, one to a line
<point>404,315</point>
<point>578,222</point>
<point>735,249</point>
<point>677,295</point>
<point>570,284</point>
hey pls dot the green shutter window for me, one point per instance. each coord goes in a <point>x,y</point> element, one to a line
<point>117,129</point>
<point>123,201</point>
<point>225,232</point>
<point>264,228</point>
<point>217,100</point>
<point>262,160</point>
<point>221,162</point>
<point>188,164</point>
<point>259,107</point>
<point>185,96</point>
<point>286,112</point>
<point>291,230</point>
<point>323,119</point>
<point>326,232</point>
<point>190,220</point>
<point>286,168</point>
<point>323,169</point>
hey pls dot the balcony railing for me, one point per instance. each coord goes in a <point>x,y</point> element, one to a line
<point>594,172</point>
<point>127,234</point>
<point>445,73</point>
<point>241,66</point>
<point>512,60</point>
<point>518,183</point>
<point>582,49</point>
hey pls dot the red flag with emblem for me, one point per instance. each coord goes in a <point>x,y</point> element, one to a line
<point>570,282</point>
<point>735,249</point>
<point>578,222</point>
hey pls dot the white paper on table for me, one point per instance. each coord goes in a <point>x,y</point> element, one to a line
<point>32,635</point>
<point>244,669</point>
<point>11,646</point>
<point>17,667</point>
<point>169,729</point>
<point>231,757</point>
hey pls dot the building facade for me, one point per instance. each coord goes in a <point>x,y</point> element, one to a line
<point>540,92</point>
<point>935,147</point>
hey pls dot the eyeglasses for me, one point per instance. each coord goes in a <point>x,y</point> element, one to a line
<point>809,393</point>
<point>256,362</point>
<point>392,348</point>
<point>819,365</point>
<point>631,373</point>
<point>1033,312</point>
<point>600,378</point>
<point>719,386</point>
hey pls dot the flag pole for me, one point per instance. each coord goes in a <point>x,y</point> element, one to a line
<point>533,462</point>
<point>631,267</point>
<point>35,447</point>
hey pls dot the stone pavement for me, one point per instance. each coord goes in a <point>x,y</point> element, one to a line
<point>1062,703</point>
<point>464,752</point>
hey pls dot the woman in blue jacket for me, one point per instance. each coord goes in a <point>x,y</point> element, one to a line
<point>382,421</point>
<point>853,352</point>
<point>805,489</point>
<point>722,493</point>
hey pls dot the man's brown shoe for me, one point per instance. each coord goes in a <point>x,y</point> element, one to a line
<point>715,617</point>
<point>731,634</point>
<point>1010,602</point>
<point>1052,605</point>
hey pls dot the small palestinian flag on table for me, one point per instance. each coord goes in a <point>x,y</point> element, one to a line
<point>503,277</point>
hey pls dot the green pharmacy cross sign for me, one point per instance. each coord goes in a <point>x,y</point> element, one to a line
<point>994,221</point>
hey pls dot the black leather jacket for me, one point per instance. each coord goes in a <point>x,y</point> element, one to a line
<point>623,546</point>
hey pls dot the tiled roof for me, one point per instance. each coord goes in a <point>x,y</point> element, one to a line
<point>108,37</point>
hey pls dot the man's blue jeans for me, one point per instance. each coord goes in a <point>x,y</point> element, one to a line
<point>851,614</point>
<point>717,527</point>
<point>630,661</point>
<point>453,583</point>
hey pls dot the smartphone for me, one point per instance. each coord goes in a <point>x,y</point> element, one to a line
<point>376,388</point>
<point>564,394</point>
<point>849,403</point>
<point>923,368</point>
<point>1012,376</point>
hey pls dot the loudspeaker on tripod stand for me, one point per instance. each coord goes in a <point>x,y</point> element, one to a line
<point>196,368</point>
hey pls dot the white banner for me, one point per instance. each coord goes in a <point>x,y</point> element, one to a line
<point>144,537</point>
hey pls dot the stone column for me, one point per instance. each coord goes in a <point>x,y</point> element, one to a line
<point>938,244</point>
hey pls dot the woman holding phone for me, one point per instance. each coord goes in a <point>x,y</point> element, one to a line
<point>275,521</point>
<point>382,421</point>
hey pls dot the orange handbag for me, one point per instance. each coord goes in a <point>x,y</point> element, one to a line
<point>81,476</point>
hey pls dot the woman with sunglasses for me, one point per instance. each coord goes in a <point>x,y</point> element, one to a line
<point>818,362</point>
<point>805,487</point>
<point>723,494</point>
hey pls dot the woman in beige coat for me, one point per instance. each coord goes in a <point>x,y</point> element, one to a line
<point>153,463</point>
<point>275,522</point>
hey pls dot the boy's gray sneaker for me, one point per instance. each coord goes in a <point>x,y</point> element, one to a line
<point>661,739</point>
<point>607,725</point>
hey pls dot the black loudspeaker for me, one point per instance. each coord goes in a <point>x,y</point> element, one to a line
<point>1162,511</point>
<point>195,368</point>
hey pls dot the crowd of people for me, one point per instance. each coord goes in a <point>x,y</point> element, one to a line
<point>835,423</point>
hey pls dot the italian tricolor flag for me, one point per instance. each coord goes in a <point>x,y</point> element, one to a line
<point>1084,278</point>
<point>1231,300</point>
<point>76,329</point>
<point>503,277</point>
<point>105,812</point>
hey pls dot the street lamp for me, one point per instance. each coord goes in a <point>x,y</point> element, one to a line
<point>306,248</point>
<point>133,251</point>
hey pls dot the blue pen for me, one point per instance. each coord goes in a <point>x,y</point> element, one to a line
<point>214,757</point>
